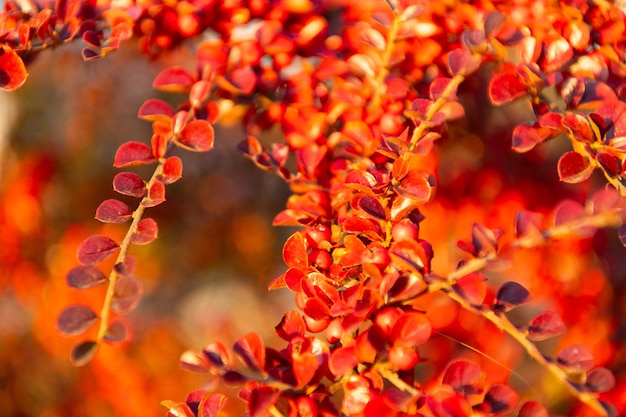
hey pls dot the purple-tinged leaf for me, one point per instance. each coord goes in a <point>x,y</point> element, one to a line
<point>500,399</point>
<point>568,211</point>
<point>75,320</point>
<point>464,377</point>
<point>117,332</point>
<point>462,62</point>
<point>13,72</point>
<point>485,240</point>
<point>610,164</point>
<point>291,325</point>
<point>532,409</point>
<point>251,351</point>
<point>127,292</point>
<point>95,249</point>
<point>527,224</point>
<point>493,22</point>
<point>129,183</point>
<point>545,326</point>
<point>372,207</point>
<point>133,153</point>
<point>526,137</point>
<point>600,380</point>
<point>262,398</point>
<point>147,231</point>
<point>83,352</point>
<point>113,211</point>
<point>84,277</point>
<point>510,295</point>
<point>575,358</point>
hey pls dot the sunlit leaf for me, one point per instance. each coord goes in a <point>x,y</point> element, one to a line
<point>510,295</point>
<point>412,329</point>
<point>532,409</point>
<point>505,87</point>
<point>83,352</point>
<point>610,163</point>
<point>156,195</point>
<point>290,326</point>
<point>127,292</point>
<point>129,183</point>
<point>600,380</point>
<point>493,22</point>
<point>12,69</point>
<point>574,167</point>
<point>576,358</point>
<point>462,62</point>
<point>464,377</point>
<point>579,126</point>
<point>545,326</point>
<point>295,251</point>
<point>84,277</point>
<point>113,211</point>
<point>342,360</point>
<point>197,136</point>
<point>147,231</point>
<point>250,349</point>
<point>155,109</point>
<point>95,249</point>
<point>172,170</point>
<point>261,399</point>
<point>174,79</point>
<point>193,361</point>
<point>472,288</point>
<point>75,320</point>
<point>200,91</point>
<point>211,405</point>
<point>133,153</point>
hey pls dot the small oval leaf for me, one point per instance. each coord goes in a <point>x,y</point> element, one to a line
<point>147,231</point>
<point>84,277</point>
<point>117,332</point>
<point>464,377</point>
<point>545,325</point>
<point>510,295</point>
<point>95,249</point>
<point>113,211</point>
<point>600,380</point>
<point>129,183</point>
<point>133,153</point>
<point>83,353</point>
<point>75,320</point>
<point>574,168</point>
<point>127,292</point>
<point>172,170</point>
<point>197,136</point>
<point>13,72</point>
<point>576,358</point>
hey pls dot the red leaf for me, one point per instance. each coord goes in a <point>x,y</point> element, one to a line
<point>133,153</point>
<point>526,137</point>
<point>95,249</point>
<point>416,185</point>
<point>84,277</point>
<point>83,352</point>
<point>75,320</point>
<point>371,206</point>
<point>129,183</point>
<point>172,170</point>
<point>291,325</point>
<point>472,288</point>
<point>199,93</point>
<point>568,211</point>
<point>342,360</point>
<point>116,333</point>
<point>510,295</point>
<point>410,255</point>
<point>156,109</point>
<point>527,224</point>
<point>462,62</point>
<point>500,399</point>
<point>12,70</point>
<point>545,325</point>
<point>493,22</point>
<point>505,87</point>
<point>261,399</point>
<point>556,53</point>
<point>412,329</point>
<point>174,79</point>
<point>532,409</point>
<point>193,361</point>
<point>156,195</point>
<point>113,211</point>
<point>438,86</point>
<point>211,405</point>
<point>576,358</point>
<point>197,136</point>
<point>304,368</point>
<point>464,377</point>
<point>600,380</point>
<point>250,349</point>
<point>360,180</point>
<point>611,164</point>
<point>574,168</point>
<point>295,252</point>
<point>126,295</point>
<point>316,309</point>
<point>579,126</point>
<point>90,55</point>
<point>147,231</point>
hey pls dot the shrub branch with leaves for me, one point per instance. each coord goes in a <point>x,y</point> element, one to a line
<point>366,96</point>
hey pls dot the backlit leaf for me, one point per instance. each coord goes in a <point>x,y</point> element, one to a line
<point>239,81</point>
<point>412,329</point>
<point>75,320</point>
<point>147,231</point>
<point>83,352</point>
<point>600,380</point>
<point>126,295</point>
<point>113,211</point>
<point>510,295</point>
<point>117,332</point>
<point>199,93</point>
<point>84,277</point>
<point>156,195</point>
<point>472,288</point>
<point>295,252</point>
<point>12,69</point>
<point>527,224</point>
<point>211,405</point>
<point>545,325</point>
<point>505,87</point>
<point>261,399</point>
<point>575,358</point>
<point>493,22</point>
<point>342,360</point>
<point>290,326</point>
<point>574,168</point>
<point>250,349</point>
<point>611,164</point>
<point>173,79</point>
<point>217,354</point>
<point>461,61</point>
<point>526,137</point>
<point>129,183</point>
<point>197,136</point>
<point>579,126</point>
<point>416,185</point>
<point>193,361</point>
<point>154,109</point>
<point>464,377</point>
<point>372,207</point>
<point>532,409</point>
<point>409,255</point>
<point>95,249</point>
<point>133,153</point>
<point>172,170</point>
<point>438,86</point>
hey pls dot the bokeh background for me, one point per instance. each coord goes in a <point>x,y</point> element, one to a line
<point>205,278</point>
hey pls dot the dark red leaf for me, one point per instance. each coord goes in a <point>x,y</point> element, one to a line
<point>485,240</point>
<point>570,211</point>
<point>611,164</point>
<point>197,136</point>
<point>95,249</point>
<point>117,332</point>
<point>526,137</point>
<point>579,126</point>
<point>133,153</point>
<point>127,292</point>
<point>174,79</point>
<point>211,405</point>
<point>147,231</point>
<point>90,55</point>
<point>290,326</point>
<point>156,109</point>
<point>510,295</point>
<point>261,399</point>
<point>84,277</point>
<point>12,69</point>
<point>372,207</point>
<point>500,399</point>
<point>472,288</point>
<point>126,267</point>
<point>576,358</point>
<point>83,352</point>
<point>295,251</point>
<point>172,170</point>
<point>113,211</point>
<point>408,254</point>
<point>462,62</point>
<point>613,113</point>
<point>505,87</point>
<point>600,380</point>
<point>360,180</point>
<point>304,368</point>
<point>250,349</point>
<point>574,168</point>
<point>545,325</point>
<point>464,377</point>
<point>75,320</point>
<point>532,409</point>
<point>156,195</point>
<point>412,329</point>
<point>129,183</point>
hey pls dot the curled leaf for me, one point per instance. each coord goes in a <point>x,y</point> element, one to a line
<point>83,353</point>
<point>545,325</point>
<point>84,277</point>
<point>510,295</point>
<point>197,136</point>
<point>12,69</point>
